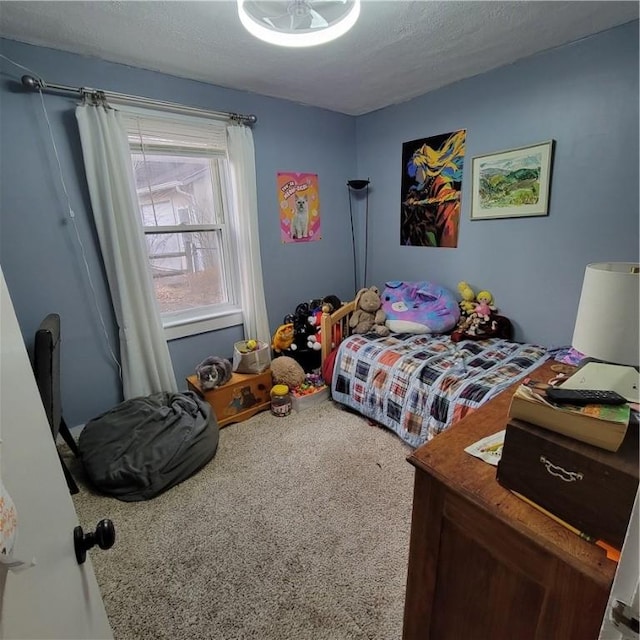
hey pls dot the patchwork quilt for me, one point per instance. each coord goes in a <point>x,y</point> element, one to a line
<point>418,385</point>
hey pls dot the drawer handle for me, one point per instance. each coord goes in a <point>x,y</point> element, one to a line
<point>559,472</point>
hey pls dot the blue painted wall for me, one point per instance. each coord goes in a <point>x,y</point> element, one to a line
<point>584,96</point>
<point>41,258</point>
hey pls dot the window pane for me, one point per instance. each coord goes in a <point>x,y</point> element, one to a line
<point>174,189</point>
<point>187,269</point>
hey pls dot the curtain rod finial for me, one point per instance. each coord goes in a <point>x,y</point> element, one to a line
<point>247,120</point>
<point>31,83</point>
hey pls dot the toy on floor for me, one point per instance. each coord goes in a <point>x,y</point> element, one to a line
<point>314,340</point>
<point>313,382</point>
<point>285,370</point>
<point>306,322</point>
<point>299,319</point>
<point>283,338</point>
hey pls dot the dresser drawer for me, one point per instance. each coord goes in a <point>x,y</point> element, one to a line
<point>589,488</point>
<point>242,397</point>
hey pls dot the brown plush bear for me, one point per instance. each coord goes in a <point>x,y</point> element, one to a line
<point>368,316</point>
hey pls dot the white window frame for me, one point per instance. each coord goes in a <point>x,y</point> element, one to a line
<point>180,324</point>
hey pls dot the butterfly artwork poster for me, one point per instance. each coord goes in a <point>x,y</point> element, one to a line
<point>431,189</point>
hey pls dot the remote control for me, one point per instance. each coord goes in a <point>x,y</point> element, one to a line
<point>584,396</point>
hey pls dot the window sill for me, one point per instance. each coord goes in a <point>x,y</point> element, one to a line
<point>182,329</point>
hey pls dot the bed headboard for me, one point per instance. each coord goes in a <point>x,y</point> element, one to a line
<point>335,323</point>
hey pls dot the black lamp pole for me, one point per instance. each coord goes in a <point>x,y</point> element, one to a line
<point>359,185</point>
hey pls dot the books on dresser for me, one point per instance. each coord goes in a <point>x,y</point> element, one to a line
<point>600,425</point>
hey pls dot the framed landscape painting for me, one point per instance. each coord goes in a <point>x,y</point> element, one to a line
<point>513,183</point>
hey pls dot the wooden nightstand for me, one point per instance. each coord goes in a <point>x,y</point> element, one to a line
<point>483,564</point>
<point>242,397</point>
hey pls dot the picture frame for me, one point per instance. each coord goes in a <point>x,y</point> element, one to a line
<point>514,183</point>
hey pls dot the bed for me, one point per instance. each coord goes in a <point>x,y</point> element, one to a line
<point>418,385</point>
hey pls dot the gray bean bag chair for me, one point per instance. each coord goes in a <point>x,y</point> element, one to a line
<point>146,445</point>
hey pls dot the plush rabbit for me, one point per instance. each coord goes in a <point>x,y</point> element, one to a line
<point>368,316</point>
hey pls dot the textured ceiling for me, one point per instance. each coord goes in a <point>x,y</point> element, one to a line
<point>396,51</point>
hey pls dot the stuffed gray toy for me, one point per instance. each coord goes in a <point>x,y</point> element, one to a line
<point>213,372</point>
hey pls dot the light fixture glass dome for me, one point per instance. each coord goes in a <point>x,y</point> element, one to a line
<point>298,23</point>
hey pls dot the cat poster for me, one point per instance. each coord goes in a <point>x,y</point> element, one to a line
<point>299,207</point>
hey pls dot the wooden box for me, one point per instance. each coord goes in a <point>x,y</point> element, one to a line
<point>242,397</point>
<point>589,488</point>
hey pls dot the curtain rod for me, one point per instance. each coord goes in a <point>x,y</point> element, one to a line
<point>38,84</point>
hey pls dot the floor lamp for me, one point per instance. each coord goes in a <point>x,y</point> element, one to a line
<point>359,185</point>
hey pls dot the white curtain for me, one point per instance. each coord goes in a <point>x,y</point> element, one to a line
<point>145,359</point>
<point>245,210</point>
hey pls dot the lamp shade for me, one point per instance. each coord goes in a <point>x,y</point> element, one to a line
<point>607,322</point>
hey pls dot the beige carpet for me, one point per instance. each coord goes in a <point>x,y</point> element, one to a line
<point>297,529</point>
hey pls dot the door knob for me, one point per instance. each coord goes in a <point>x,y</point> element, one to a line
<point>104,536</point>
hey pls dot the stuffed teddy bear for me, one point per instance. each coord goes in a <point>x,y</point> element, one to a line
<point>368,316</point>
<point>285,370</point>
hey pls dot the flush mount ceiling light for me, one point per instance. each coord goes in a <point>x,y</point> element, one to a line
<point>298,23</point>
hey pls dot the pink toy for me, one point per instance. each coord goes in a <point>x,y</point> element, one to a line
<point>484,307</point>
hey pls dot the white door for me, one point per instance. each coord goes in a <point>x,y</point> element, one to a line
<point>625,585</point>
<point>57,598</point>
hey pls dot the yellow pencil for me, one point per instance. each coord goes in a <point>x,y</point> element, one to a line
<point>612,552</point>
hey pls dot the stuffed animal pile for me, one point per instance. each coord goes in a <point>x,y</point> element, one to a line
<point>478,317</point>
<point>304,332</point>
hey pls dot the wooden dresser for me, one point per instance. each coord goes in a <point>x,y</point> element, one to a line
<point>483,564</point>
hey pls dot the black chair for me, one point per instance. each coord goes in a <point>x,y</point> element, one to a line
<point>46,365</point>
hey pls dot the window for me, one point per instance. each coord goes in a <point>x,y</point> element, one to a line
<point>181,181</point>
